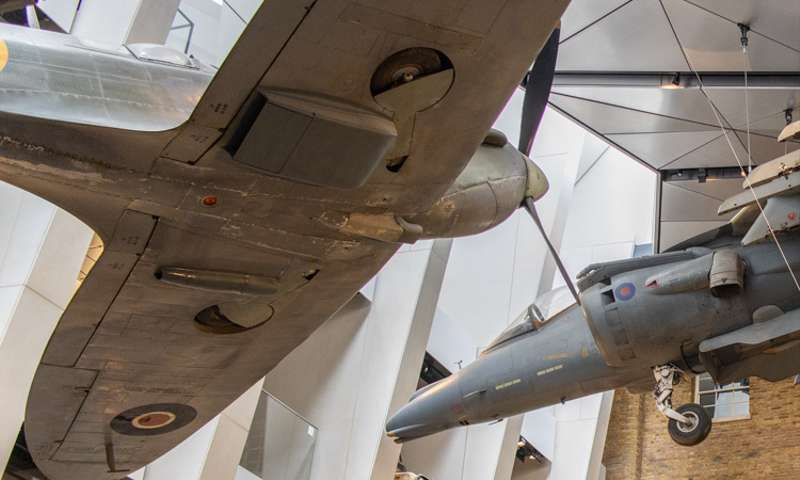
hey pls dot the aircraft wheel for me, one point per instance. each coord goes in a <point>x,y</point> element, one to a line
<point>693,433</point>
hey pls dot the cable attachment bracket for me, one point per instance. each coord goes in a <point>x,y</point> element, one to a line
<point>745,38</point>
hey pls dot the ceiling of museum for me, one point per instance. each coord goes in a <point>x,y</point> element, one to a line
<point>618,60</point>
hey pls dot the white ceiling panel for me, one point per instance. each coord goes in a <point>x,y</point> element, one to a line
<point>680,204</point>
<point>713,154</point>
<point>712,42</point>
<point>776,19</point>
<point>763,104</point>
<point>658,149</point>
<point>715,188</point>
<point>767,148</point>
<point>718,152</point>
<point>685,103</point>
<point>634,38</point>
<point>673,233</point>
<point>582,13</point>
<point>772,125</point>
<point>677,129</point>
<point>608,119</point>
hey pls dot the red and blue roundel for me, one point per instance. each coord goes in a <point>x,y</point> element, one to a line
<point>625,292</point>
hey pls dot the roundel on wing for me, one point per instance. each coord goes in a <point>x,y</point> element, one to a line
<point>625,292</point>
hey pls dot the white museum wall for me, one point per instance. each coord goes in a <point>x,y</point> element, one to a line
<point>61,11</point>
<point>41,252</point>
<point>217,26</point>
<point>348,376</point>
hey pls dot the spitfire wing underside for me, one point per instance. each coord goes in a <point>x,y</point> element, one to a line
<point>323,50</point>
<point>128,340</point>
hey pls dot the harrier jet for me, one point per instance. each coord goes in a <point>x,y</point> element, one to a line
<point>726,302</point>
<point>335,131</point>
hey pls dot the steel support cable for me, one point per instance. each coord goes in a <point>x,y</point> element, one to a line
<point>747,116</point>
<point>745,42</point>
<point>730,144</point>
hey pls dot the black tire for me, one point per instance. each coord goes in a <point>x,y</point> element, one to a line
<point>694,433</point>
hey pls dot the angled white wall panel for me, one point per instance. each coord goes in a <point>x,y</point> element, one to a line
<point>41,252</point>
<point>119,22</point>
<point>61,11</point>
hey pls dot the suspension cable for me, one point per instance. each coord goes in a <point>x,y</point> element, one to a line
<point>745,41</point>
<point>730,144</point>
<point>747,119</point>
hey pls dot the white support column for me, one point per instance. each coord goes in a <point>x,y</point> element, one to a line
<point>407,377</point>
<point>596,469</point>
<point>576,426</point>
<point>120,22</point>
<point>41,252</point>
<point>555,219</point>
<point>210,453</point>
<point>231,436</point>
<point>362,364</point>
<point>186,460</point>
<point>491,450</point>
<point>217,27</point>
<point>213,452</point>
<point>477,452</point>
<point>61,11</point>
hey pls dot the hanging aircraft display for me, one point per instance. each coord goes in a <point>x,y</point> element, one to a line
<point>334,131</point>
<point>726,302</point>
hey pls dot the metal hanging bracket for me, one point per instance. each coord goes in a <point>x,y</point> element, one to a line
<point>745,39</point>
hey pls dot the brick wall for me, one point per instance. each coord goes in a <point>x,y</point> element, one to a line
<point>765,446</point>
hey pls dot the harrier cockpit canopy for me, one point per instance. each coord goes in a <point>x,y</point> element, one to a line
<point>547,306</point>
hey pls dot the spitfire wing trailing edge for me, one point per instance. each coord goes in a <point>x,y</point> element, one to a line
<point>334,130</point>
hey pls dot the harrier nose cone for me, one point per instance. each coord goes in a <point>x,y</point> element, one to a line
<point>432,409</point>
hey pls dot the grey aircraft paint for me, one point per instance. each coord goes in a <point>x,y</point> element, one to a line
<point>311,155</point>
<point>636,314</point>
<point>724,302</point>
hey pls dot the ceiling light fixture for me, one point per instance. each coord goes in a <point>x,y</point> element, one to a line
<point>673,84</point>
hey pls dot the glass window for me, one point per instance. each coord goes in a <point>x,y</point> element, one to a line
<point>723,402</point>
<point>280,444</point>
<point>542,310</point>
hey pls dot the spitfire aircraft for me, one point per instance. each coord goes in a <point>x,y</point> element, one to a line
<point>726,302</point>
<point>239,211</point>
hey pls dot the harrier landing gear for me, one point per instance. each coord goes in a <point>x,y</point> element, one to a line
<point>688,424</point>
